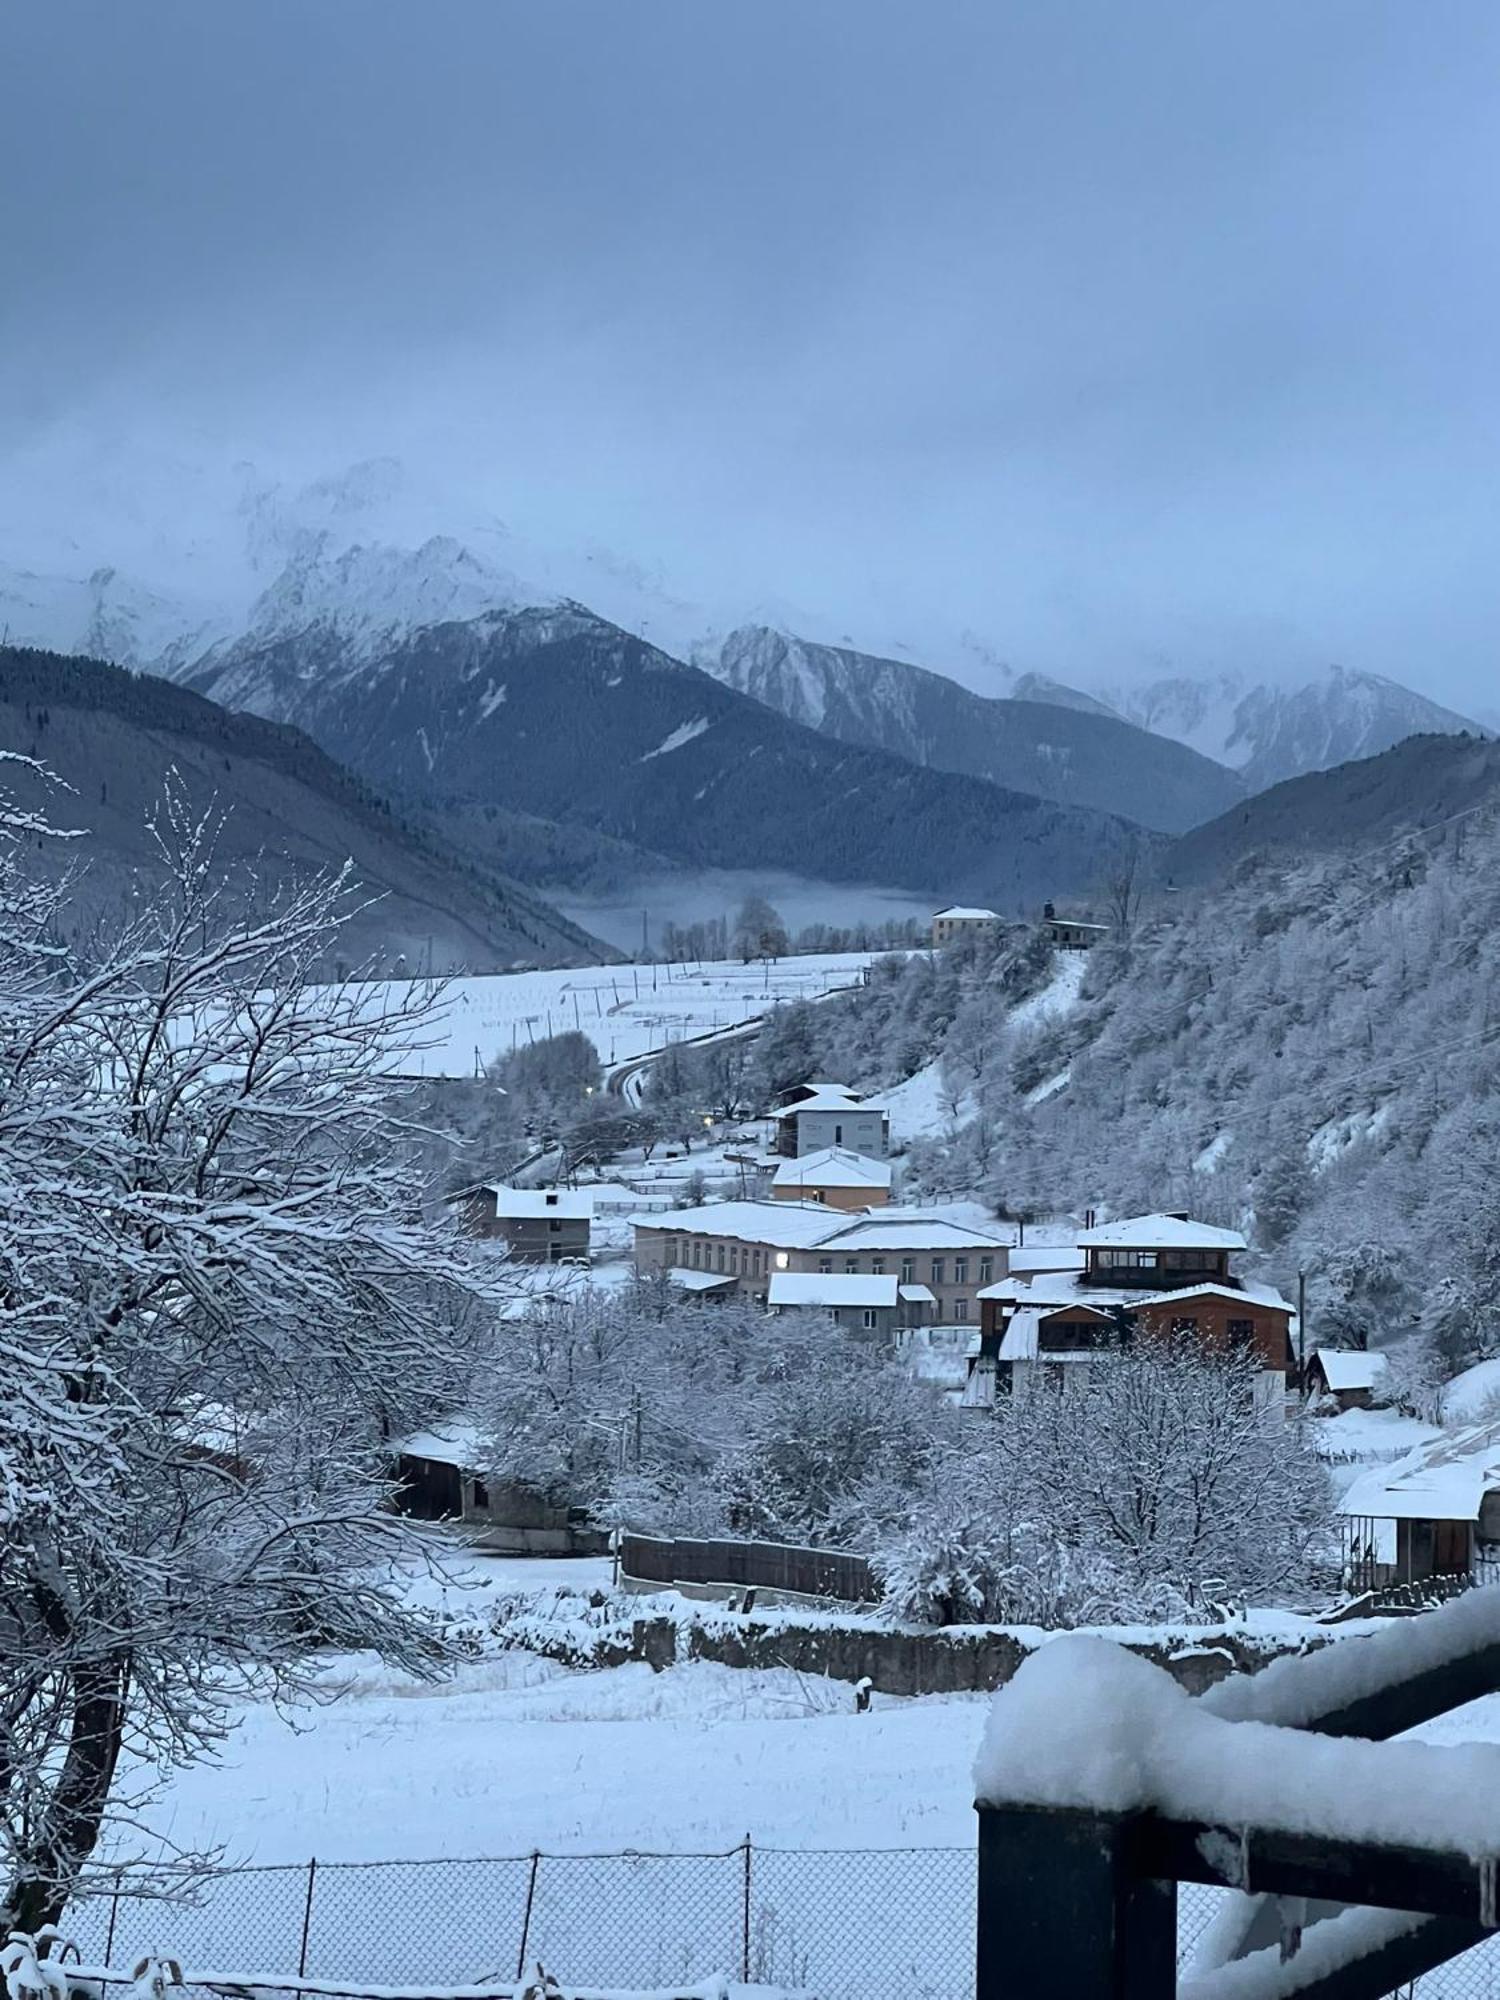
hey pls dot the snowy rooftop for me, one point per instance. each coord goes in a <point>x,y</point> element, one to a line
<point>831,1097</point>
<point>833,1166</point>
<point>615,1194</point>
<point>792,1225</point>
<point>687,1280</point>
<point>907,1229</point>
<point>829,1289</point>
<point>1160,1232</point>
<point>1028,1258</point>
<point>956,913</point>
<point>455,1442</point>
<point>527,1204</point>
<point>1345,1369</point>
<point>1443,1481</point>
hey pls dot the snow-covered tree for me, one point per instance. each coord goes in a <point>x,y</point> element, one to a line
<point>220,1303</point>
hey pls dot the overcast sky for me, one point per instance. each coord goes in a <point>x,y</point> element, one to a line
<point>1118,333</point>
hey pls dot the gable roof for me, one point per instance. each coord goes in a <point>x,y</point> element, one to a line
<point>1245,1294</point>
<point>1344,1368</point>
<point>788,1225</point>
<point>833,1166</point>
<point>1160,1232</point>
<point>957,913</point>
<point>831,1097</point>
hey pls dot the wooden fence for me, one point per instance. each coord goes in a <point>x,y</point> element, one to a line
<point>775,1566</point>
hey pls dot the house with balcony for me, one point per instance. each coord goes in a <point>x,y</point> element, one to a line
<point>1431,1518</point>
<point>1163,1276</point>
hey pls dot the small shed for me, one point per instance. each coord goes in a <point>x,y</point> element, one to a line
<point>1349,1376</point>
<point>1071,933</point>
<point>439,1477</point>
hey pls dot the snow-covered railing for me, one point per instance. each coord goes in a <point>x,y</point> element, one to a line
<point>1101,1785</point>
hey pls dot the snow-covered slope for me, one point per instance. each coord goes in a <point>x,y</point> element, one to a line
<point>1268,732</point>
<point>1062,749</point>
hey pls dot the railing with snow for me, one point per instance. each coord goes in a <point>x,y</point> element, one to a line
<point>1101,1786</point>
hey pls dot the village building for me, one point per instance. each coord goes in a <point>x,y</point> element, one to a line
<point>1154,1275</point>
<point>1433,1517</point>
<point>440,1478</point>
<point>956,925</point>
<point>735,1248</point>
<point>835,1177</point>
<point>859,1304</point>
<point>537,1225</point>
<point>1071,933</point>
<point>832,1116</point>
<point>1348,1377</point>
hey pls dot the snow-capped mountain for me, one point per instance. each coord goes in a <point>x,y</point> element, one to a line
<point>1076,753</point>
<point>1267,732</point>
<point>556,713</point>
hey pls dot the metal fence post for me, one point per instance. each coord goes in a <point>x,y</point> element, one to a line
<point>1062,1909</point>
<point>745,1954</point>
<point>114,1911</point>
<point>312,1876</point>
<point>526,1917</point>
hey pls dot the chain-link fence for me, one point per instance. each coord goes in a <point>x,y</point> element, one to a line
<point>843,1924</point>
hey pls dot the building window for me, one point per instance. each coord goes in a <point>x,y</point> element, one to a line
<point>554,1227</point>
<point>838,1135</point>
<point>721,1256</point>
<point>825,1266</point>
<point>960,1308</point>
<point>851,1265</point>
<point>1127,1260</point>
<point>908,1270</point>
<point>1241,1335</point>
<point>697,1253</point>
<point>986,1270</point>
<point>869,1319</point>
<point>960,1270</point>
<point>877,1267</point>
<point>734,1258</point>
<point>481,1494</point>
<point>937,1271</point>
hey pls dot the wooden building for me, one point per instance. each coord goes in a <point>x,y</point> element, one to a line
<point>1435,1514</point>
<point>1347,1377</point>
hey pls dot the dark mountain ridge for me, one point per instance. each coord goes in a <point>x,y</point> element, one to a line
<point>557,713</point>
<point>113,737</point>
<point>1418,784</point>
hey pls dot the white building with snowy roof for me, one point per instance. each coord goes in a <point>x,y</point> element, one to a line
<point>962,921</point>
<point>833,1117</point>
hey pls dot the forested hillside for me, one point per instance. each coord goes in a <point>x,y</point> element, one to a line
<point>1312,1051</point>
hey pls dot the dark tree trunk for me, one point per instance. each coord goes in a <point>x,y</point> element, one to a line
<point>48,1866</point>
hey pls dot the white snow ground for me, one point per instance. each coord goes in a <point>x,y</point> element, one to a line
<point>625,1010</point>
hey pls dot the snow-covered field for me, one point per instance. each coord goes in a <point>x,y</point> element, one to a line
<point>625,1010</point>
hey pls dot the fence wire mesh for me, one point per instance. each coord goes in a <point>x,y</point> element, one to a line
<point>841,1924</point>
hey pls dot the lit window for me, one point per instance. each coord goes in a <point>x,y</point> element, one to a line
<point>781,1260</point>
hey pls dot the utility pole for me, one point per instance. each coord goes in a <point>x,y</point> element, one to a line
<point>1302,1335</point>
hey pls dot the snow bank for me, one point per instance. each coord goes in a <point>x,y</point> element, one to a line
<point>1086,1724</point>
<point>1470,1396</point>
